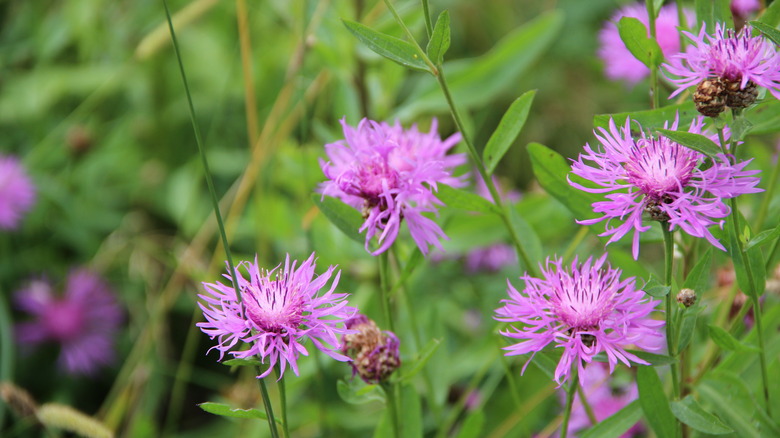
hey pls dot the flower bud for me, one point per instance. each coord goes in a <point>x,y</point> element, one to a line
<point>737,97</point>
<point>709,97</point>
<point>374,353</point>
<point>686,297</point>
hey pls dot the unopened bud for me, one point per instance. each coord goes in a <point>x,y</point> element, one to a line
<point>737,97</point>
<point>710,98</point>
<point>686,297</point>
<point>374,353</point>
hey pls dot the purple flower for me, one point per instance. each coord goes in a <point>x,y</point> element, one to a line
<point>740,61</point>
<point>17,192</point>
<point>602,399</point>
<point>584,310</point>
<point>374,353</point>
<point>390,174</point>
<point>83,320</point>
<point>277,311</point>
<point>743,8</point>
<point>620,63</point>
<point>657,177</point>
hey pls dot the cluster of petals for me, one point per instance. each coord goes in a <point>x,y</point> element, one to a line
<point>620,64</point>
<point>584,309</point>
<point>735,57</point>
<point>83,320</point>
<point>276,312</point>
<point>656,177</point>
<point>390,174</point>
<point>17,192</point>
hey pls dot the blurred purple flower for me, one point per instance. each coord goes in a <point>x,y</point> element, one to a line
<point>390,174</point>
<point>602,399</point>
<point>83,320</point>
<point>739,60</point>
<point>17,192</point>
<point>374,353</point>
<point>620,63</point>
<point>660,178</point>
<point>743,8</point>
<point>585,310</point>
<point>277,311</point>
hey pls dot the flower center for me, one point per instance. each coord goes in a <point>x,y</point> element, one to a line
<point>583,302</point>
<point>370,181</point>
<point>659,168</point>
<point>274,308</point>
<point>63,320</point>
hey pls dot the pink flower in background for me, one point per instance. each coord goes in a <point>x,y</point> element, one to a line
<point>390,175</point>
<point>17,192</point>
<point>278,310</point>
<point>584,309</point>
<point>743,8</point>
<point>657,177</point>
<point>374,353</point>
<point>83,320</point>
<point>620,64</point>
<point>602,399</point>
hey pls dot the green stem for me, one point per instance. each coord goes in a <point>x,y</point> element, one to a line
<point>768,196</point>
<point>682,21</point>
<point>578,238</point>
<point>753,294</point>
<point>283,400</point>
<point>670,321</point>
<point>654,98</point>
<point>575,382</point>
<point>412,39</point>
<point>587,406</point>
<point>384,282</point>
<point>428,22</point>
<point>269,410</point>
<point>390,390</point>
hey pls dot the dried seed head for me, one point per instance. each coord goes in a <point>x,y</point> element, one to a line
<point>740,98</point>
<point>686,297</point>
<point>374,353</point>
<point>709,97</point>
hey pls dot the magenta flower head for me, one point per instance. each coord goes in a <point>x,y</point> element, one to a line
<point>726,68</point>
<point>374,353</point>
<point>17,192</point>
<point>743,8</point>
<point>278,310</point>
<point>661,180</point>
<point>620,64</point>
<point>584,309</point>
<point>390,174</point>
<point>83,320</point>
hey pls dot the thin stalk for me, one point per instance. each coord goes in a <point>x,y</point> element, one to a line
<point>670,321</point>
<point>654,98</point>
<point>269,410</point>
<point>384,282</point>
<point>390,390</point>
<point>587,406</point>
<point>575,382</point>
<point>768,196</point>
<point>428,22</point>
<point>283,401</point>
<point>682,21</point>
<point>412,39</point>
<point>756,305</point>
<point>183,374</point>
<point>578,238</point>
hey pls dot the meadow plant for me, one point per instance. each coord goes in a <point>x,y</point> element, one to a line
<point>17,192</point>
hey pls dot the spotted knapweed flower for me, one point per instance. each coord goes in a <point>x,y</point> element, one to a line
<point>726,68</point>
<point>620,64</point>
<point>278,310</point>
<point>83,320</point>
<point>603,398</point>
<point>584,309</point>
<point>17,192</point>
<point>389,174</point>
<point>373,352</point>
<point>656,178</point>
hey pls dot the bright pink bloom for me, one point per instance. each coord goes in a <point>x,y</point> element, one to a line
<point>83,320</point>
<point>733,57</point>
<point>17,192</point>
<point>619,62</point>
<point>584,309</point>
<point>277,311</point>
<point>390,174</point>
<point>657,177</point>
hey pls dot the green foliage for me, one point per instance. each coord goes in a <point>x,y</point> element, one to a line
<point>505,134</point>
<point>645,49</point>
<point>390,47</point>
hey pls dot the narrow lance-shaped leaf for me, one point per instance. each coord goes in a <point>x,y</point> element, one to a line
<point>763,238</point>
<point>226,411</point>
<point>440,39</point>
<point>457,198</point>
<point>693,141</point>
<point>654,403</point>
<point>728,342</point>
<point>344,217</point>
<point>770,32</point>
<point>617,424</point>
<point>390,47</point>
<point>634,36</point>
<point>691,413</point>
<point>505,134</point>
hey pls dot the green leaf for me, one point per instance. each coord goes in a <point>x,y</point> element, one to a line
<point>688,326</point>
<point>472,425</point>
<point>635,36</point>
<point>740,128</point>
<point>771,32</point>
<point>763,238</point>
<point>226,411</point>
<point>546,363</point>
<point>461,199</point>
<point>698,278</point>
<point>693,141</point>
<point>656,289</point>
<point>727,342</point>
<point>733,405</point>
<point>505,134</point>
<point>764,118</point>
<point>384,428</point>
<point>527,235</point>
<point>344,217</point>
<point>388,46</point>
<point>616,424</point>
<point>654,403</point>
<point>691,413</point>
<point>477,82</point>
<point>650,119</point>
<point>410,413</point>
<point>440,39</point>
<point>355,391</point>
<point>248,362</point>
<point>712,12</point>
<point>755,260</point>
<point>424,356</point>
<point>771,15</point>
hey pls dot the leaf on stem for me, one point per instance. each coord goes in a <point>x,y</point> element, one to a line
<point>634,36</point>
<point>226,411</point>
<point>390,47</point>
<point>616,424</point>
<point>505,134</point>
<point>654,403</point>
<point>693,141</point>
<point>727,342</point>
<point>769,31</point>
<point>440,39</point>
<point>690,412</point>
<point>464,200</point>
<point>423,357</point>
<point>344,217</point>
